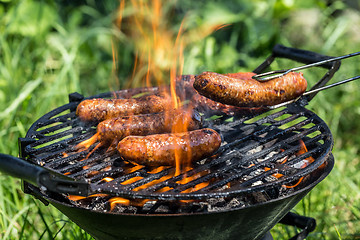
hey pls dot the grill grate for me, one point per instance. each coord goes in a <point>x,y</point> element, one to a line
<point>250,145</point>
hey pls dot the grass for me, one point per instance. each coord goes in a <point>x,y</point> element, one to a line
<point>49,49</point>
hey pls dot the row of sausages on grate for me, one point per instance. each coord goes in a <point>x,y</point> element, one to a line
<point>148,130</point>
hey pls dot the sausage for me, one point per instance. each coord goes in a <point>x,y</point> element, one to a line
<point>204,104</point>
<point>160,149</point>
<point>113,130</point>
<point>250,92</point>
<point>98,109</point>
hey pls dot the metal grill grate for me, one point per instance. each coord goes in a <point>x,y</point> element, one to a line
<point>250,145</point>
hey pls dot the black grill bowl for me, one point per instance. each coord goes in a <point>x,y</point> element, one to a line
<point>46,142</point>
<point>247,223</point>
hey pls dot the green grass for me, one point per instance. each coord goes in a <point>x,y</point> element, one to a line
<point>48,50</point>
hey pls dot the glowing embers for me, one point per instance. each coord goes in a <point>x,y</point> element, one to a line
<point>111,203</point>
<point>304,163</point>
<point>278,168</point>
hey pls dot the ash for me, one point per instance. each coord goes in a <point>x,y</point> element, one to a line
<point>101,204</point>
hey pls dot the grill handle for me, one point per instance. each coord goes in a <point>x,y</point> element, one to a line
<point>19,168</point>
<point>307,224</point>
<point>300,55</point>
<point>41,177</point>
<point>303,56</point>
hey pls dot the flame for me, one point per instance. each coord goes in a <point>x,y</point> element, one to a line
<point>157,170</point>
<point>217,28</point>
<point>306,162</point>
<point>303,150</point>
<point>77,198</point>
<point>118,200</point>
<point>120,13</point>
<point>114,201</point>
<point>159,50</point>
<point>131,180</point>
<point>182,162</point>
<point>152,183</point>
<point>86,144</point>
<point>153,39</point>
<point>196,187</point>
<point>158,60</point>
<point>107,179</point>
<point>277,175</point>
<point>134,169</point>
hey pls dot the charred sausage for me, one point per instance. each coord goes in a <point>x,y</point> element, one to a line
<point>160,149</point>
<point>250,92</point>
<point>99,109</point>
<point>113,130</point>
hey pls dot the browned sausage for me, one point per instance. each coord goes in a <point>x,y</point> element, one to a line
<point>113,130</point>
<point>185,83</point>
<point>99,109</point>
<point>250,92</point>
<point>160,149</point>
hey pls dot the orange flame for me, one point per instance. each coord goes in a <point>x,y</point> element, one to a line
<point>159,50</point>
<point>107,179</point>
<point>306,162</point>
<point>131,180</point>
<point>118,200</point>
<point>88,142</point>
<point>77,198</point>
<point>303,150</point>
<point>159,58</point>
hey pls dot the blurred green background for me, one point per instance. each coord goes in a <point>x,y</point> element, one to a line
<point>50,48</point>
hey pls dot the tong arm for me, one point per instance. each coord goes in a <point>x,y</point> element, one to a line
<point>279,73</point>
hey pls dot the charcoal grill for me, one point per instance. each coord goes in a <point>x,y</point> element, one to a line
<point>254,146</point>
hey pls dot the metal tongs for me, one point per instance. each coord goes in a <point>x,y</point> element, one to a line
<point>319,86</point>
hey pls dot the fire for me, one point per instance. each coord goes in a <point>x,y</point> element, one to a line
<point>157,46</point>
<point>134,169</point>
<point>159,54</point>
<point>159,50</point>
<point>118,200</point>
<point>305,162</point>
<point>77,198</point>
<point>107,179</point>
<point>131,180</point>
<point>88,142</point>
<point>303,150</point>
<point>158,60</point>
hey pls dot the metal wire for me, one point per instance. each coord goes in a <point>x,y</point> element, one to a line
<point>270,75</point>
<point>314,91</point>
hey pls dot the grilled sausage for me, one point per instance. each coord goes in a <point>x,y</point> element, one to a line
<point>160,149</point>
<point>113,130</point>
<point>250,92</point>
<point>99,109</point>
<point>204,104</point>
